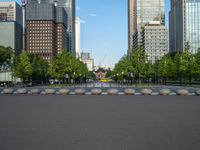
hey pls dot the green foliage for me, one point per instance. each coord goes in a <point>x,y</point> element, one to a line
<point>196,69</point>
<point>177,66</point>
<point>6,54</point>
<point>39,66</point>
<point>134,64</point>
<point>22,67</point>
<point>66,64</point>
<point>109,74</point>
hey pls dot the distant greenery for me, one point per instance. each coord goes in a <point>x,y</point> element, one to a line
<point>177,67</point>
<point>65,65</point>
<point>6,54</point>
<point>63,68</point>
<point>22,67</point>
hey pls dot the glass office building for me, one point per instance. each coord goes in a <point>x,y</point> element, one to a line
<point>69,6</point>
<point>150,10</point>
<point>192,24</point>
<point>140,13</point>
<point>11,25</point>
<point>184,25</point>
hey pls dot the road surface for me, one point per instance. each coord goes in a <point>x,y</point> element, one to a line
<point>99,122</point>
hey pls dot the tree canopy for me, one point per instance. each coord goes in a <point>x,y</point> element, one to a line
<point>6,54</point>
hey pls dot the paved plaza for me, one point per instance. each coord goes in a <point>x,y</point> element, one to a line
<point>55,122</point>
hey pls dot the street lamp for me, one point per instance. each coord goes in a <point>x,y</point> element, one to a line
<point>131,75</point>
<point>156,70</point>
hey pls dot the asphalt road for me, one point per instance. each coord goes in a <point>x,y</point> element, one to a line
<point>99,123</point>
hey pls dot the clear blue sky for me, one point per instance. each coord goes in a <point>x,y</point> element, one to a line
<point>107,32</point>
<point>104,30</point>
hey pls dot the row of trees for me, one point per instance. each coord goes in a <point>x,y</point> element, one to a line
<point>180,66</point>
<point>32,68</point>
<point>63,68</point>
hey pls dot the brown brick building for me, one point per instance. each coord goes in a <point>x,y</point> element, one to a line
<point>46,30</point>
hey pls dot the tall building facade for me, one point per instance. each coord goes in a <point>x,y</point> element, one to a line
<point>78,37</point>
<point>11,25</point>
<point>46,27</point>
<point>155,41</point>
<point>184,25</point>
<point>140,13</point>
<point>70,8</point>
<point>86,59</point>
<point>131,22</point>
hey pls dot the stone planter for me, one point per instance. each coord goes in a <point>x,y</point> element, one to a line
<point>96,91</point>
<point>80,91</point>
<point>21,91</point>
<point>165,92</point>
<point>64,91</point>
<point>129,91</point>
<point>7,91</point>
<point>50,91</point>
<point>198,92</point>
<point>146,91</point>
<point>182,92</point>
<point>35,91</point>
<point>112,91</point>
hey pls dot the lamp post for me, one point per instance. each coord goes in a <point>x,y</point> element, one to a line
<point>122,77</point>
<point>156,70</point>
<point>74,75</point>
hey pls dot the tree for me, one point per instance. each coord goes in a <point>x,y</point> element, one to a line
<point>166,68</point>
<point>138,61</point>
<point>196,70</point>
<point>22,67</point>
<point>133,65</point>
<point>6,54</point>
<point>66,64</point>
<point>186,63</point>
<point>177,61</point>
<point>40,67</point>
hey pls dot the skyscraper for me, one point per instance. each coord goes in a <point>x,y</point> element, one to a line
<point>155,41</point>
<point>78,36</point>
<point>131,22</point>
<point>140,13</point>
<point>69,6</point>
<point>11,25</point>
<point>46,29</point>
<point>184,25</point>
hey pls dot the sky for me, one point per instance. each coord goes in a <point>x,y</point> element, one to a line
<point>104,28</point>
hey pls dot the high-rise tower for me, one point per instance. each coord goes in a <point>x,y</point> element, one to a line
<point>131,22</point>
<point>46,25</point>
<point>78,37</point>
<point>140,13</point>
<point>69,6</point>
<point>11,25</point>
<point>184,25</point>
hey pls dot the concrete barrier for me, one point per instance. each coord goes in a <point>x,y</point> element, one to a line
<point>34,91</point>
<point>146,91</point>
<point>165,92</point>
<point>198,92</point>
<point>64,91</point>
<point>21,91</point>
<point>129,91</point>
<point>50,91</point>
<point>112,91</point>
<point>96,91</point>
<point>7,91</point>
<point>182,92</point>
<point>80,91</point>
